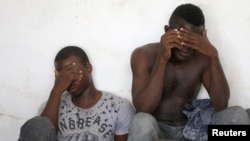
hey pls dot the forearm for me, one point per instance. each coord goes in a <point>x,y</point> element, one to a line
<point>148,97</point>
<point>218,84</point>
<point>51,109</point>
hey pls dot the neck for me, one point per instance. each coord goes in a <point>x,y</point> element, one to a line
<point>88,98</point>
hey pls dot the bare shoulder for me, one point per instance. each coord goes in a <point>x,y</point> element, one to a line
<point>145,51</point>
<point>143,58</point>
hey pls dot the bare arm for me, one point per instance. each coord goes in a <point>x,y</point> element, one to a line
<point>146,85</point>
<point>148,79</point>
<point>52,107</point>
<point>62,81</point>
<point>217,86</point>
<point>214,79</point>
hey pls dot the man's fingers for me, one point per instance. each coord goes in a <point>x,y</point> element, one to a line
<point>68,67</point>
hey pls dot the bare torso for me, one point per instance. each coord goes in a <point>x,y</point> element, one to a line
<point>182,83</point>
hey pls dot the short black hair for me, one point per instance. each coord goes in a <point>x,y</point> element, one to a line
<point>189,12</point>
<point>68,51</point>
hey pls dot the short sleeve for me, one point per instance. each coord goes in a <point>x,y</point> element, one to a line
<point>125,116</point>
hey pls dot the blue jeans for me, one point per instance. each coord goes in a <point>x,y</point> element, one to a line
<point>38,129</point>
<point>144,126</point>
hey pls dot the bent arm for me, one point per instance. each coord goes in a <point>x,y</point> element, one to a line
<point>216,84</point>
<point>214,79</point>
<point>62,81</point>
<point>51,109</point>
<point>147,83</point>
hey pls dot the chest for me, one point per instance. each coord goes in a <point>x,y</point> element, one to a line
<point>97,122</point>
<point>182,79</point>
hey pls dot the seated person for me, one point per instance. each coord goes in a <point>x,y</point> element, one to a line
<point>76,110</point>
<point>169,74</point>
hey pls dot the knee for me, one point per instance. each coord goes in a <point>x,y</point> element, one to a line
<point>248,111</point>
<point>143,124</point>
<point>38,122</point>
<point>239,115</point>
<point>143,120</point>
<point>233,115</point>
<point>236,111</point>
<point>37,128</point>
<point>42,121</point>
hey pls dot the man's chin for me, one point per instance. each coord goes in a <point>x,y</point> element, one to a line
<point>74,93</point>
<point>182,56</point>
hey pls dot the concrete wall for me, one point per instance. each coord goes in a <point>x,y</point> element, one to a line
<point>32,31</point>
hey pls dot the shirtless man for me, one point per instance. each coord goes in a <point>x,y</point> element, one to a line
<point>169,74</point>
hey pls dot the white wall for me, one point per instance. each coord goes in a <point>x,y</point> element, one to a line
<point>32,31</point>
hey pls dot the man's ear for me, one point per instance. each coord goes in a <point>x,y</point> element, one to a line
<point>56,73</point>
<point>166,28</point>
<point>89,67</point>
<point>204,33</point>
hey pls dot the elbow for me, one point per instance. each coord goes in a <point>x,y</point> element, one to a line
<point>143,108</point>
<point>221,105</point>
<point>221,101</point>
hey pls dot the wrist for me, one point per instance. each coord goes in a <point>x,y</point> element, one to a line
<point>56,92</point>
<point>162,59</point>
